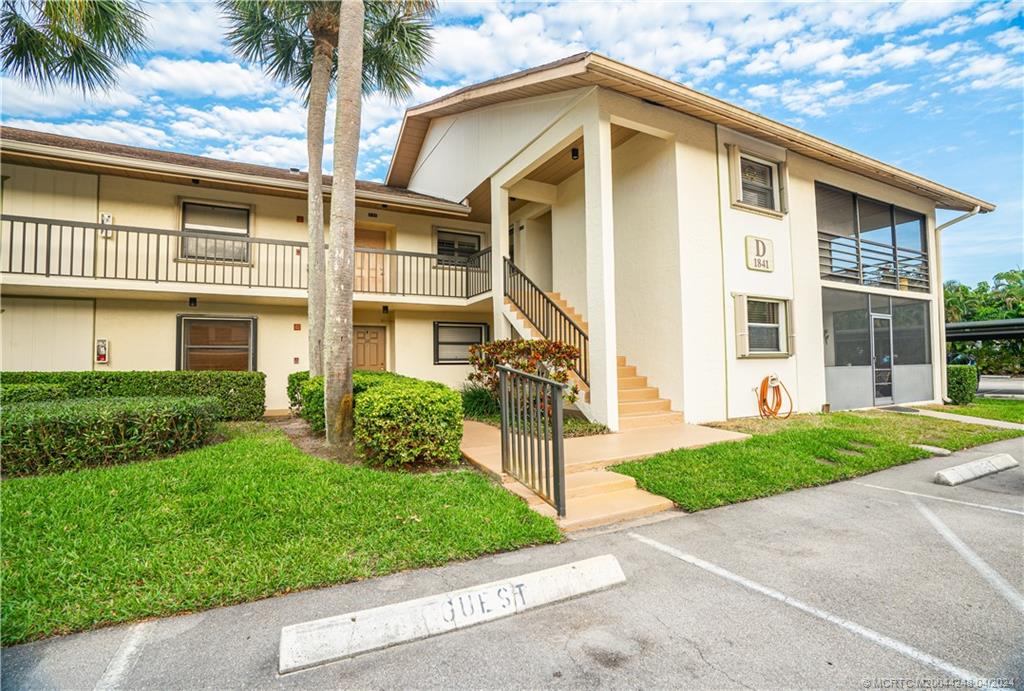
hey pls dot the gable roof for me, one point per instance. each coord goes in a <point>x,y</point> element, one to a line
<point>593,69</point>
<point>43,148</point>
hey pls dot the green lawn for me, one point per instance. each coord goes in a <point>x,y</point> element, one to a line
<point>804,451</point>
<point>989,408</point>
<point>241,520</point>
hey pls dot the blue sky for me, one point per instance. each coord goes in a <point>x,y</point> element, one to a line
<point>936,88</point>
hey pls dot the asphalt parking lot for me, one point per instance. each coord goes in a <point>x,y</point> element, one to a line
<point>888,581</point>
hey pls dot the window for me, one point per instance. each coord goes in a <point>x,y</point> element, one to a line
<point>217,343</point>
<point>762,327</point>
<point>458,246</point>
<point>222,232</point>
<point>861,240</point>
<point>452,341</point>
<point>758,181</point>
<point>755,183</point>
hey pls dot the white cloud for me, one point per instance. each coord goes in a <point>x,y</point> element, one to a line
<point>1011,39</point>
<point>198,28</point>
<point>191,77</point>
<point>269,150</point>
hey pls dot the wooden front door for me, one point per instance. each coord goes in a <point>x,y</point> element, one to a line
<point>368,351</point>
<point>370,265</point>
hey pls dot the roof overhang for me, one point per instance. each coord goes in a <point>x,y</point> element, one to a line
<point>67,158</point>
<point>592,69</point>
<point>991,330</point>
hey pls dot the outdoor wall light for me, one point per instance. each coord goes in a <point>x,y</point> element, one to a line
<point>575,154</point>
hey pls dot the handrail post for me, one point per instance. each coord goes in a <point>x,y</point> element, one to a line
<point>503,399</point>
<point>558,447</point>
<point>49,233</point>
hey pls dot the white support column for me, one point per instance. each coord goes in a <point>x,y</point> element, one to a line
<point>600,253</point>
<point>499,250</point>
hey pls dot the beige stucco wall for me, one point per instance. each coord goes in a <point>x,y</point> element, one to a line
<point>532,230</point>
<point>413,337</point>
<point>143,336</point>
<point>569,242</point>
<point>647,272</point>
<point>460,151</point>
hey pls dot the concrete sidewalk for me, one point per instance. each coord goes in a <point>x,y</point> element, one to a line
<point>866,552</point>
<point>1001,424</point>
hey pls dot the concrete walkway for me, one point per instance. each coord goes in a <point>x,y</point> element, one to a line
<point>874,552</point>
<point>1002,424</point>
<point>594,496</point>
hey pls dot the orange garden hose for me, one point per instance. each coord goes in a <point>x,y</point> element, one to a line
<point>769,398</point>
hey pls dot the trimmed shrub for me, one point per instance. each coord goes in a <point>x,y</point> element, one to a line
<point>312,403</point>
<point>399,420</point>
<point>552,359</point>
<point>479,402</point>
<point>242,394</point>
<point>962,382</point>
<point>23,393</point>
<point>55,436</point>
<point>409,423</point>
<point>296,380</point>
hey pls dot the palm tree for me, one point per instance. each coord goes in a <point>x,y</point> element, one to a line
<point>338,400</point>
<point>78,42</point>
<point>296,42</point>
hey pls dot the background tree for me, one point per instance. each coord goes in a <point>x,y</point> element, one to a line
<point>82,43</point>
<point>296,42</point>
<point>1003,299</point>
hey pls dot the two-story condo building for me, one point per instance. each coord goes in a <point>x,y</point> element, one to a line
<point>687,246</point>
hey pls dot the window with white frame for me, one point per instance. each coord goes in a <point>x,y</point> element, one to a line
<point>457,246</point>
<point>453,339</point>
<point>756,183</point>
<point>220,232</point>
<point>762,327</point>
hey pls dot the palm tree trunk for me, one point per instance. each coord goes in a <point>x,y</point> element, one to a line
<point>323,56</point>
<point>340,257</point>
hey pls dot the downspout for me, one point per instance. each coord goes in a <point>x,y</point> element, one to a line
<point>943,379</point>
<point>721,255</point>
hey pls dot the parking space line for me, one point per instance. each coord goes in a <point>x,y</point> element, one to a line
<point>851,626</point>
<point>123,657</point>
<point>979,564</point>
<point>951,501</point>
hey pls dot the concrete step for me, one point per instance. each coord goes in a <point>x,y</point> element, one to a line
<point>612,507</point>
<point>626,371</point>
<point>671,417</point>
<point>656,405</point>
<point>586,483</point>
<point>620,360</point>
<point>647,393</point>
<point>632,383</point>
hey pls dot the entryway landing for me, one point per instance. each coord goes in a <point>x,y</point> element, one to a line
<point>595,496</point>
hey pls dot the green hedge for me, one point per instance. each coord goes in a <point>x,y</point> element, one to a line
<point>404,423</point>
<point>962,382</point>
<point>399,420</point>
<point>242,394</point>
<point>23,393</point>
<point>55,436</point>
<point>312,403</point>
<point>296,380</point>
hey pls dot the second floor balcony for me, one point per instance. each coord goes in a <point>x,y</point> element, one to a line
<point>79,253</point>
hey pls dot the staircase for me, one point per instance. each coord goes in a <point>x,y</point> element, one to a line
<point>640,405</point>
<point>594,497</point>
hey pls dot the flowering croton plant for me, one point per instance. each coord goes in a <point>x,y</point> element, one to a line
<point>551,359</point>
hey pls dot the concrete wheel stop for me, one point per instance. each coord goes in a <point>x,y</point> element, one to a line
<point>965,472</point>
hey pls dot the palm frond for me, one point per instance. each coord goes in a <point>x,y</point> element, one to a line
<point>78,42</point>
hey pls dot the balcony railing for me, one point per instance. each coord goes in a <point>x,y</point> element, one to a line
<point>869,263</point>
<point>72,249</point>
